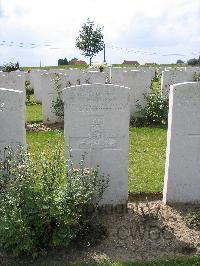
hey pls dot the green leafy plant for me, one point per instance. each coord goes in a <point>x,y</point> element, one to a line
<point>42,201</point>
<point>156,110</point>
<point>10,67</point>
<point>196,76</point>
<point>58,104</point>
<point>29,92</point>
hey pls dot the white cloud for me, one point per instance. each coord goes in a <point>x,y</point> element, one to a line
<point>148,25</point>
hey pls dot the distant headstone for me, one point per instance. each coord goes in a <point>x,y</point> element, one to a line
<point>12,80</point>
<point>182,167</point>
<point>139,83</point>
<point>96,121</point>
<point>174,76</point>
<point>12,118</point>
<point>35,81</point>
<point>91,77</point>
<point>50,96</point>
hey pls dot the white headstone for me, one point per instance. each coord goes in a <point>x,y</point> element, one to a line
<point>50,95</point>
<point>174,76</point>
<point>12,80</point>
<point>91,77</point>
<point>139,83</point>
<point>71,78</point>
<point>12,118</point>
<point>96,121</point>
<point>35,80</point>
<point>182,167</point>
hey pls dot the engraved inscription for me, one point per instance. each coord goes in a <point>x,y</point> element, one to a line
<point>97,137</point>
<point>93,100</point>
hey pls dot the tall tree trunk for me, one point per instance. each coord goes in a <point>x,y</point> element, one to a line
<point>90,61</point>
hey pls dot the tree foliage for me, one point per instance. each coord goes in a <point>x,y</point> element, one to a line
<point>11,67</point>
<point>90,39</point>
<point>179,61</point>
<point>193,61</point>
<point>62,62</point>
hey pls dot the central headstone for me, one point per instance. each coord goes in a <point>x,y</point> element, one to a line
<point>96,121</point>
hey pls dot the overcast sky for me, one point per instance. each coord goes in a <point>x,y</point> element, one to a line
<point>142,30</point>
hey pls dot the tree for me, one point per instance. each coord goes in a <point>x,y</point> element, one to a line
<point>90,39</point>
<point>179,61</point>
<point>193,61</point>
<point>65,62</point>
<point>60,62</point>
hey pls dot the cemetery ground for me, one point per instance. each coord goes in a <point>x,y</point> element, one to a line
<point>147,147</point>
<point>146,150</point>
<point>147,230</point>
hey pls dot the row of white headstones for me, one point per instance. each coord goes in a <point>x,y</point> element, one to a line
<point>96,122</point>
<point>137,79</point>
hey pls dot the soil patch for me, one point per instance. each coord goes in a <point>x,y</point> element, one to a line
<point>42,127</point>
<point>145,231</point>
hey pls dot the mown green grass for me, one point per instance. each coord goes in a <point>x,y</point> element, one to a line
<point>34,113</point>
<point>56,67</point>
<point>44,141</point>
<point>181,261</point>
<point>146,155</point>
<point>146,159</point>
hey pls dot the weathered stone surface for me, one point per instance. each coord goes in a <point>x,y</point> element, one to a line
<point>50,94</point>
<point>97,122</point>
<point>139,83</point>
<point>182,167</point>
<point>35,80</point>
<point>12,80</point>
<point>12,118</point>
<point>174,76</point>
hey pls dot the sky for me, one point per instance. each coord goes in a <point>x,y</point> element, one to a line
<point>146,30</point>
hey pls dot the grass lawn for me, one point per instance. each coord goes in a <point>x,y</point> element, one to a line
<point>146,155</point>
<point>146,159</point>
<point>181,261</point>
<point>44,141</point>
<point>34,113</point>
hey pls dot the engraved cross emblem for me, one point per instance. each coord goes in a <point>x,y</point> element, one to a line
<point>98,140</point>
